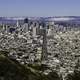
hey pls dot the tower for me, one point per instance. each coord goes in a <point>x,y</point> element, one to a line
<point>44,46</point>
<point>3,27</point>
<point>17,24</point>
<point>25,26</point>
<point>26,20</point>
<point>6,28</point>
<point>34,31</point>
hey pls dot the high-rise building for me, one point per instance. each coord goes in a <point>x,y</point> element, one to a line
<point>34,31</point>
<point>25,27</point>
<point>49,32</point>
<point>26,20</point>
<point>17,24</point>
<point>3,27</point>
<point>6,27</point>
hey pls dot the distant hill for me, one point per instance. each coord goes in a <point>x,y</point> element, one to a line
<point>13,20</point>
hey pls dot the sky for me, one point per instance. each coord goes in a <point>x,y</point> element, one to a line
<point>39,8</point>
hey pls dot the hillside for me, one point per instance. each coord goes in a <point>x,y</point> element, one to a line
<point>12,70</point>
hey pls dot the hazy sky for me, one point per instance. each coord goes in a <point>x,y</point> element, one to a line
<point>39,7</point>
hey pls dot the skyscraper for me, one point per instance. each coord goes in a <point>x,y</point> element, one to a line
<point>34,31</point>
<point>25,26</point>
<point>26,20</point>
<point>17,24</point>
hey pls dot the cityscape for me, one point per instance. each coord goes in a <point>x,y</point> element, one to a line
<point>39,40</point>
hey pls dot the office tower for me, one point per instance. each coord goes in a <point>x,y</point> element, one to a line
<point>17,24</point>
<point>31,26</point>
<point>6,27</point>
<point>50,29</point>
<point>25,26</point>
<point>41,27</point>
<point>49,32</point>
<point>34,31</point>
<point>37,28</point>
<point>11,30</point>
<point>26,20</point>
<point>3,27</point>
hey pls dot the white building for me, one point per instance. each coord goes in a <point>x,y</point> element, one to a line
<point>49,32</point>
<point>17,24</point>
<point>25,27</point>
<point>34,31</point>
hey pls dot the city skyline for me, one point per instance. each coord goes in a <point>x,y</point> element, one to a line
<point>39,8</point>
